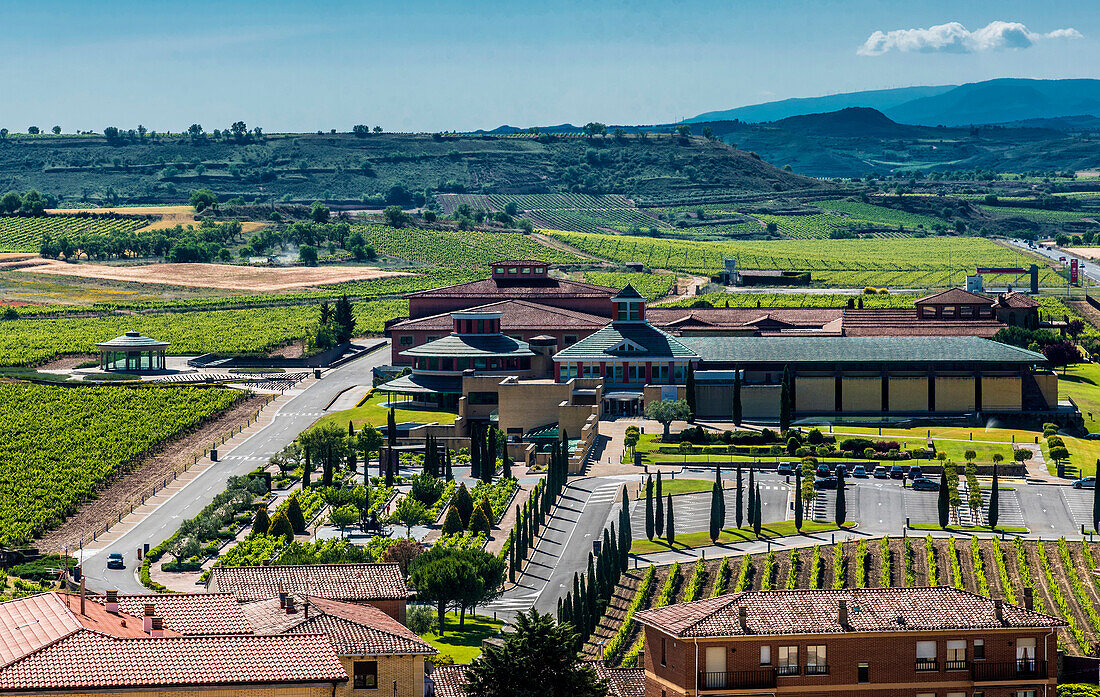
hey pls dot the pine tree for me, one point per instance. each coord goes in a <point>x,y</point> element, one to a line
<point>487,509</point>
<point>465,504</point>
<point>261,522</point>
<point>670,525</point>
<point>649,507</point>
<point>452,523</point>
<point>478,522</point>
<point>785,401</point>
<point>659,521</point>
<point>995,501</point>
<point>737,411</point>
<point>281,527</point>
<point>798,499</point>
<point>739,509</point>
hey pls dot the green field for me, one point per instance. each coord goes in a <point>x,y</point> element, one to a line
<point>651,285</point>
<point>58,444</point>
<point>19,234</point>
<point>372,412</point>
<point>31,341</point>
<point>458,248</point>
<point>859,212</point>
<point>911,262</point>
<point>463,644</point>
<point>1036,214</point>
<point>730,536</point>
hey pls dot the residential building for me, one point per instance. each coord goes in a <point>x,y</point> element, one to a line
<point>901,642</point>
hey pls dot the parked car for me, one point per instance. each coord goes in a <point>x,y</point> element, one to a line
<point>826,483</point>
<point>785,468</point>
<point>115,561</point>
<point>915,472</point>
<point>859,471</point>
<point>1085,483</point>
<point>841,470</point>
<point>896,472</point>
<point>881,472</point>
<point>925,484</point>
<point>823,470</point>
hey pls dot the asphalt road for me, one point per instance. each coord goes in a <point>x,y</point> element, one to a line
<point>291,419</point>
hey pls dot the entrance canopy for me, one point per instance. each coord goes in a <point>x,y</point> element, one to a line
<point>132,353</point>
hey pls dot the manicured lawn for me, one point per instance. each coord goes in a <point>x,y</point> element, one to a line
<point>1082,455</point>
<point>463,645</point>
<point>729,536</point>
<point>1003,435</point>
<point>373,412</point>
<point>968,528</point>
<point>682,486</point>
<point>1082,383</point>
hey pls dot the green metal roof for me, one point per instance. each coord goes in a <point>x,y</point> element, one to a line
<point>423,384</point>
<point>472,346</point>
<point>653,342</point>
<point>856,349</point>
<point>628,293</point>
<point>132,340</point>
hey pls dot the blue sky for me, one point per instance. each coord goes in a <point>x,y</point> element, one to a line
<point>427,66</point>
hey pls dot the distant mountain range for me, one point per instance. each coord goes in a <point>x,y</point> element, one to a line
<point>990,102</point>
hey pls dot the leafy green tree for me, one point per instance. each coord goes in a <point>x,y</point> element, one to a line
<point>328,446</point>
<point>537,647</point>
<point>56,130</point>
<point>439,577</point>
<point>184,547</point>
<point>10,202</point>
<point>201,199</point>
<point>307,254</point>
<point>410,512</point>
<point>667,412</point>
<point>319,212</point>
<point>343,516</point>
<point>396,217</point>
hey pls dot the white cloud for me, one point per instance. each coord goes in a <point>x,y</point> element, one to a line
<point>953,37</point>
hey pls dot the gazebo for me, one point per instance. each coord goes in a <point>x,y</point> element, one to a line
<point>132,353</point>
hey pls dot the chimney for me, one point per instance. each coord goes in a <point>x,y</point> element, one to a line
<point>112,602</point>
<point>999,610</point>
<point>842,612</point>
<point>289,605</point>
<point>157,628</point>
<point>1029,599</point>
<point>147,624</point>
<point>743,618</point>
<point>282,594</point>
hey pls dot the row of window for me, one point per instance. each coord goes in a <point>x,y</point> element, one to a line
<point>949,311</point>
<point>454,364</point>
<point>631,373</point>
<point>514,270</point>
<point>476,326</point>
<point>407,340</point>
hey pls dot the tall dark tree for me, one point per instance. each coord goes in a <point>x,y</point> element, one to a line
<point>756,514</point>
<point>739,509</point>
<point>506,465</point>
<point>475,451</point>
<point>448,474</point>
<point>626,534</point>
<point>593,595</point>
<point>785,401</point>
<point>649,508</point>
<point>995,501</point>
<point>1096,500</point>
<point>752,496</point>
<point>841,507</point>
<point>721,496</point>
<point>942,505</point>
<point>391,442</point>
<point>659,521</point>
<point>737,411</point>
<point>670,525</point>
<point>715,511</point>
<point>344,319</point>
<point>490,464</point>
<point>689,390</point>
<point>798,499</point>
<point>307,466</point>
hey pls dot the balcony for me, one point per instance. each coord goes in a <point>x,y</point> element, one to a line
<point>788,669</point>
<point>763,678</point>
<point>1030,669</point>
<point>923,665</point>
<point>820,669</point>
<point>955,665</point>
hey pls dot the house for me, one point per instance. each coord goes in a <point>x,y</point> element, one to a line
<point>903,642</point>
<point>380,585</point>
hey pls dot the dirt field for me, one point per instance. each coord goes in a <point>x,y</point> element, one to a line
<point>1087,252</point>
<point>170,216</point>
<point>245,278</point>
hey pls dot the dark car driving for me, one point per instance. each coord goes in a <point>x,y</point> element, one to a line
<point>925,484</point>
<point>114,561</point>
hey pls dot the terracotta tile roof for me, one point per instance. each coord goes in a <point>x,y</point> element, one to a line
<point>955,296</point>
<point>90,660</point>
<point>449,681</point>
<point>353,630</point>
<point>188,613</point>
<point>816,612</point>
<point>354,582</point>
<point>519,288</point>
<point>28,624</point>
<point>1016,299</point>
<point>621,682</point>
<point>517,315</point>
<point>906,322</point>
<point>734,317</point>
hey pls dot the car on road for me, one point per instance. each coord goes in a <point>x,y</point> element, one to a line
<point>881,472</point>
<point>1085,483</point>
<point>896,472</point>
<point>114,561</point>
<point>1092,436</point>
<point>823,470</point>
<point>785,468</point>
<point>925,484</point>
<point>859,471</point>
<point>915,472</point>
<point>826,483</point>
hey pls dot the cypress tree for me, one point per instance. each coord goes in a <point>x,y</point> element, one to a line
<point>785,401</point>
<point>592,595</point>
<point>649,507</point>
<point>689,390</point>
<point>841,502</point>
<point>626,535</point>
<point>506,465</point>
<point>942,506</point>
<point>261,522</point>
<point>306,467</point>
<point>715,525</point>
<point>721,497</point>
<point>739,508</point>
<point>449,474</point>
<point>489,466</point>
<point>752,497</point>
<point>464,503</point>
<point>995,502</point>
<point>756,513</point>
<point>475,454</point>
<point>578,602</point>
<point>798,499</point>
<point>512,557</point>
<point>737,413</point>
<point>294,515</point>
<point>670,526</point>
<point>603,573</point>
<point>659,521</point>
<point>567,609</point>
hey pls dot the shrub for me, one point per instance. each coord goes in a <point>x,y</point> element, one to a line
<point>281,527</point>
<point>452,524</point>
<point>479,523</point>
<point>855,445</point>
<point>814,437</point>
<point>420,619</point>
<point>402,552</point>
<point>464,505</point>
<point>294,515</point>
<point>426,489</point>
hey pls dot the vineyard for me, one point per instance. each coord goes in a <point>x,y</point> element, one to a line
<point>921,262</point>
<point>1037,214</point>
<point>652,286</point>
<point>32,341</point>
<point>890,301</point>
<point>575,212</point>
<point>21,234</point>
<point>59,444</point>
<point>1059,572</point>
<point>869,213</point>
<point>457,248</point>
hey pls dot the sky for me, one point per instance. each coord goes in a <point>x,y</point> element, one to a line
<point>438,66</point>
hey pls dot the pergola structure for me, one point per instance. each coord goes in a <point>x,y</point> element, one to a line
<point>132,353</point>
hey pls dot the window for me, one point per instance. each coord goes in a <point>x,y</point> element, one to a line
<point>482,397</point>
<point>538,269</point>
<point>679,373</point>
<point>1025,693</point>
<point>956,694</point>
<point>526,269</point>
<point>863,673</point>
<point>513,270</point>
<point>948,312</point>
<point>926,656</point>
<point>568,370</point>
<point>405,340</point>
<point>664,651</point>
<point>788,660</point>
<point>956,655</point>
<point>765,655</point>
<point>570,339</point>
<point>499,269</point>
<point>481,326</point>
<point>366,675</point>
<point>816,663</point>
<point>979,649</point>
<point>966,311</point>
<point>591,370</point>
<point>480,364</point>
